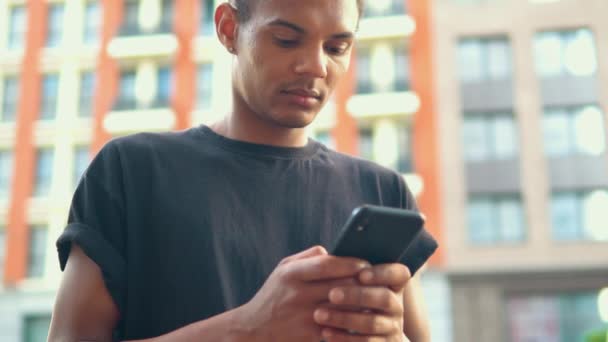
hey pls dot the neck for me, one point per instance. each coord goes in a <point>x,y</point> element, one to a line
<point>244,125</point>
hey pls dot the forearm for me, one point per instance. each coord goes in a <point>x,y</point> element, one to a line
<point>223,327</point>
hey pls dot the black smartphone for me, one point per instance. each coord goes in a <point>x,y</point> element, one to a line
<point>378,234</point>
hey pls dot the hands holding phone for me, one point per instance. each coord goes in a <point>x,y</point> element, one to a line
<point>314,296</point>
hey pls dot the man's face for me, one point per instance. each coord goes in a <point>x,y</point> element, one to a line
<point>291,54</point>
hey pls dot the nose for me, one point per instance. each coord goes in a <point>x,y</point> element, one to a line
<point>312,62</point>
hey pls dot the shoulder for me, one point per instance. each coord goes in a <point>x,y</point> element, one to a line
<point>363,167</point>
<point>153,141</point>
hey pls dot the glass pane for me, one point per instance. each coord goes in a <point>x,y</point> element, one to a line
<point>87,91</point>
<point>207,11</point>
<point>165,84</point>
<point>548,53</point>
<point>595,219</point>
<point>499,59</point>
<point>166,21</point>
<point>533,319</point>
<point>505,142</point>
<point>589,131</point>
<point>37,252</point>
<point>55,25</point>
<point>81,162</point>
<point>44,172</point>
<point>130,26</point>
<point>470,60</point>
<point>580,57</point>
<point>126,98</point>
<point>36,328</point>
<point>579,315</point>
<point>325,138</point>
<point>482,226</point>
<point>50,85</point>
<point>364,85</point>
<point>92,22</point>
<point>512,220</point>
<point>366,144</point>
<point>6,171</point>
<point>402,69</point>
<point>10,98</point>
<point>204,86</point>
<point>475,139</point>
<point>566,217</point>
<point>16,35</point>
<point>556,133</point>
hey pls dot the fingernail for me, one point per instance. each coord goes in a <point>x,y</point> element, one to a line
<point>321,315</point>
<point>336,295</point>
<point>367,276</point>
<point>363,265</point>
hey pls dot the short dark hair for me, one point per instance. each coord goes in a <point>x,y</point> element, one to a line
<point>244,9</point>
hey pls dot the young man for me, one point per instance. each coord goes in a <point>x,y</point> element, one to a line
<point>215,233</point>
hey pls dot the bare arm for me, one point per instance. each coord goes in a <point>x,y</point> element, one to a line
<point>415,317</point>
<point>85,311</point>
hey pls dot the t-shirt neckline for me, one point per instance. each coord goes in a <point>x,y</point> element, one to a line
<point>260,150</point>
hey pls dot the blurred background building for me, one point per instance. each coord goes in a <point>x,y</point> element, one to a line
<point>494,111</point>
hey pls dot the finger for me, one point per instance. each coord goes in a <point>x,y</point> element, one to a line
<point>325,267</point>
<point>367,298</point>
<point>362,322</point>
<point>393,275</point>
<point>340,335</point>
<point>312,251</point>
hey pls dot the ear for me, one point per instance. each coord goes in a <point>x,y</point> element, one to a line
<point>227,26</point>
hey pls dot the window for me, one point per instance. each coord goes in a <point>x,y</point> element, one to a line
<point>495,219</point>
<point>364,82</point>
<point>44,171</point>
<point>36,328</point>
<point>568,316</point>
<point>36,251</point>
<point>366,143</point>
<point>87,94</point>
<point>402,69</point>
<point>55,25</point>
<point>92,22</point>
<point>484,59</point>
<point>81,161</point>
<point>384,8</point>
<point>166,19</point>
<point>6,170</point>
<point>565,53</point>
<point>371,69</point>
<point>207,10</point>
<point>126,97</point>
<point>165,84</point>
<point>205,86</point>
<point>48,108</point>
<point>10,99</point>
<point>574,130</point>
<point>579,215</point>
<point>487,137</point>
<point>130,13</point>
<point>404,159</point>
<point>17,27</point>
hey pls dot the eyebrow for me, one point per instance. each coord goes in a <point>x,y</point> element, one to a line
<point>301,30</point>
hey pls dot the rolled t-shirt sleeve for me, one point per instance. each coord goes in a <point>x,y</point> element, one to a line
<point>96,222</point>
<point>421,249</point>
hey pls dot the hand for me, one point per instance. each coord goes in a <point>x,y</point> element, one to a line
<point>282,310</point>
<point>369,311</point>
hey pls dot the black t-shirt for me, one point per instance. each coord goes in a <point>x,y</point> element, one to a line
<point>186,225</point>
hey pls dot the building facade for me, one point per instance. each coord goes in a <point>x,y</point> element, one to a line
<point>76,73</point>
<point>522,89</point>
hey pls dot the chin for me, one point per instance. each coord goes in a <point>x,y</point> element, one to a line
<point>295,120</point>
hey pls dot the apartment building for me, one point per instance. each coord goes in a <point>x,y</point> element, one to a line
<point>522,89</point>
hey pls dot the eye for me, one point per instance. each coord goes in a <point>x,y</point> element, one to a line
<point>286,43</point>
<point>338,50</point>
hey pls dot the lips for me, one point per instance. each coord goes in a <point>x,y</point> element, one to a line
<point>304,93</point>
